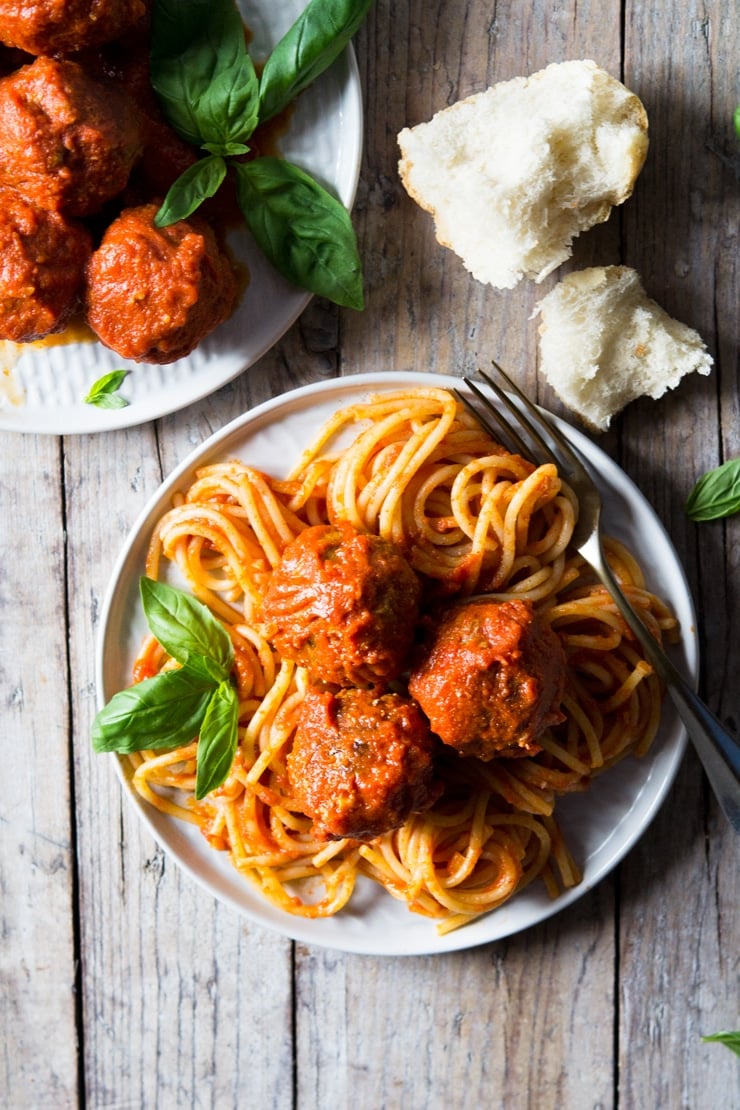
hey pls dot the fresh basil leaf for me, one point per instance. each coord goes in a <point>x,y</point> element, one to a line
<point>717,493</point>
<point>217,740</point>
<point>192,187</point>
<point>204,668</point>
<point>305,232</point>
<point>226,150</point>
<point>162,712</point>
<point>184,626</point>
<point>309,47</point>
<point>730,1038</point>
<point>104,392</point>
<point>736,121</point>
<point>201,71</point>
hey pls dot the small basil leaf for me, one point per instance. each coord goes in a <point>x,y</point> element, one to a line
<point>317,37</point>
<point>226,150</point>
<point>736,121</point>
<point>162,712</point>
<point>218,739</point>
<point>184,626</point>
<point>201,71</point>
<point>103,393</point>
<point>204,669</point>
<point>192,187</point>
<point>729,1038</point>
<point>716,494</point>
<point>305,232</point>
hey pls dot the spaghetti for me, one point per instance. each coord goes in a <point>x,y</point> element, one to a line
<point>414,468</point>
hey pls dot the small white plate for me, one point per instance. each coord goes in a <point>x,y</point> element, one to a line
<point>42,387</point>
<point>600,825</point>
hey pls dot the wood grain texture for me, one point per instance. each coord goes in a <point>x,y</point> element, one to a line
<point>37,921</point>
<point>122,984</point>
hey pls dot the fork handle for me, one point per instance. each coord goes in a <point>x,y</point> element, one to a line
<point>718,749</point>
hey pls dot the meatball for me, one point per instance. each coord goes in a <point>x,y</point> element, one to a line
<point>64,26</point>
<point>154,293</point>
<point>67,141</point>
<point>361,762</point>
<point>343,604</point>
<point>42,265</point>
<point>164,154</point>
<point>491,679</point>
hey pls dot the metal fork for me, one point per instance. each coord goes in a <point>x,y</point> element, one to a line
<point>718,749</point>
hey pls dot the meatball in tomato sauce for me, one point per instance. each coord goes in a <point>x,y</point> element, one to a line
<point>42,266</point>
<point>65,26</point>
<point>67,141</point>
<point>165,155</point>
<point>491,679</point>
<point>343,604</point>
<point>361,762</point>
<point>154,293</point>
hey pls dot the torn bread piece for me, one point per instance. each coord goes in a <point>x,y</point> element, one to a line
<point>513,174</point>
<point>604,342</point>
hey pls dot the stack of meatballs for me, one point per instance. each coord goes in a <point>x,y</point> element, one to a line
<point>391,686</point>
<point>85,160</point>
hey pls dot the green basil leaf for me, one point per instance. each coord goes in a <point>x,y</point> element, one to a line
<point>184,626</point>
<point>104,392</point>
<point>192,187</point>
<point>316,38</point>
<point>305,232</point>
<point>201,71</point>
<point>226,150</point>
<point>204,669</point>
<point>736,121</point>
<point>162,712</point>
<point>717,493</point>
<point>218,739</point>
<point>730,1038</point>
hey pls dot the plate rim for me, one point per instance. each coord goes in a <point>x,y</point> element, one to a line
<point>303,930</point>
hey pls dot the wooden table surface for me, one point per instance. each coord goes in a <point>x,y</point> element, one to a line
<point>122,984</point>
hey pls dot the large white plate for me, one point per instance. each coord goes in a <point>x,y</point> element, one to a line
<point>42,387</point>
<point>600,825</point>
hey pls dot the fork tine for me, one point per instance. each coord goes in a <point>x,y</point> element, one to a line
<point>568,452</point>
<point>511,436</point>
<point>522,416</point>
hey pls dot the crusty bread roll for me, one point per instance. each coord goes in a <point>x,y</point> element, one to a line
<point>513,174</point>
<point>604,342</point>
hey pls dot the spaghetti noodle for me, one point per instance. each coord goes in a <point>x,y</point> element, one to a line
<point>414,468</point>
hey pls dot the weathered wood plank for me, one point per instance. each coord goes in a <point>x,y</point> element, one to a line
<point>510,1025</point>
<point>38,1062</point>
<point>679,942</point>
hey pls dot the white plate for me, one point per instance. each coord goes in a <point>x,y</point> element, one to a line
<point>41,387</point>
<point>600,825</point>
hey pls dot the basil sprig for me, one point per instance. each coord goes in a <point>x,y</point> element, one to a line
<point>174,707</point>
<point>209,91</point>
<point>104,392</point>
<point>716,494</point>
